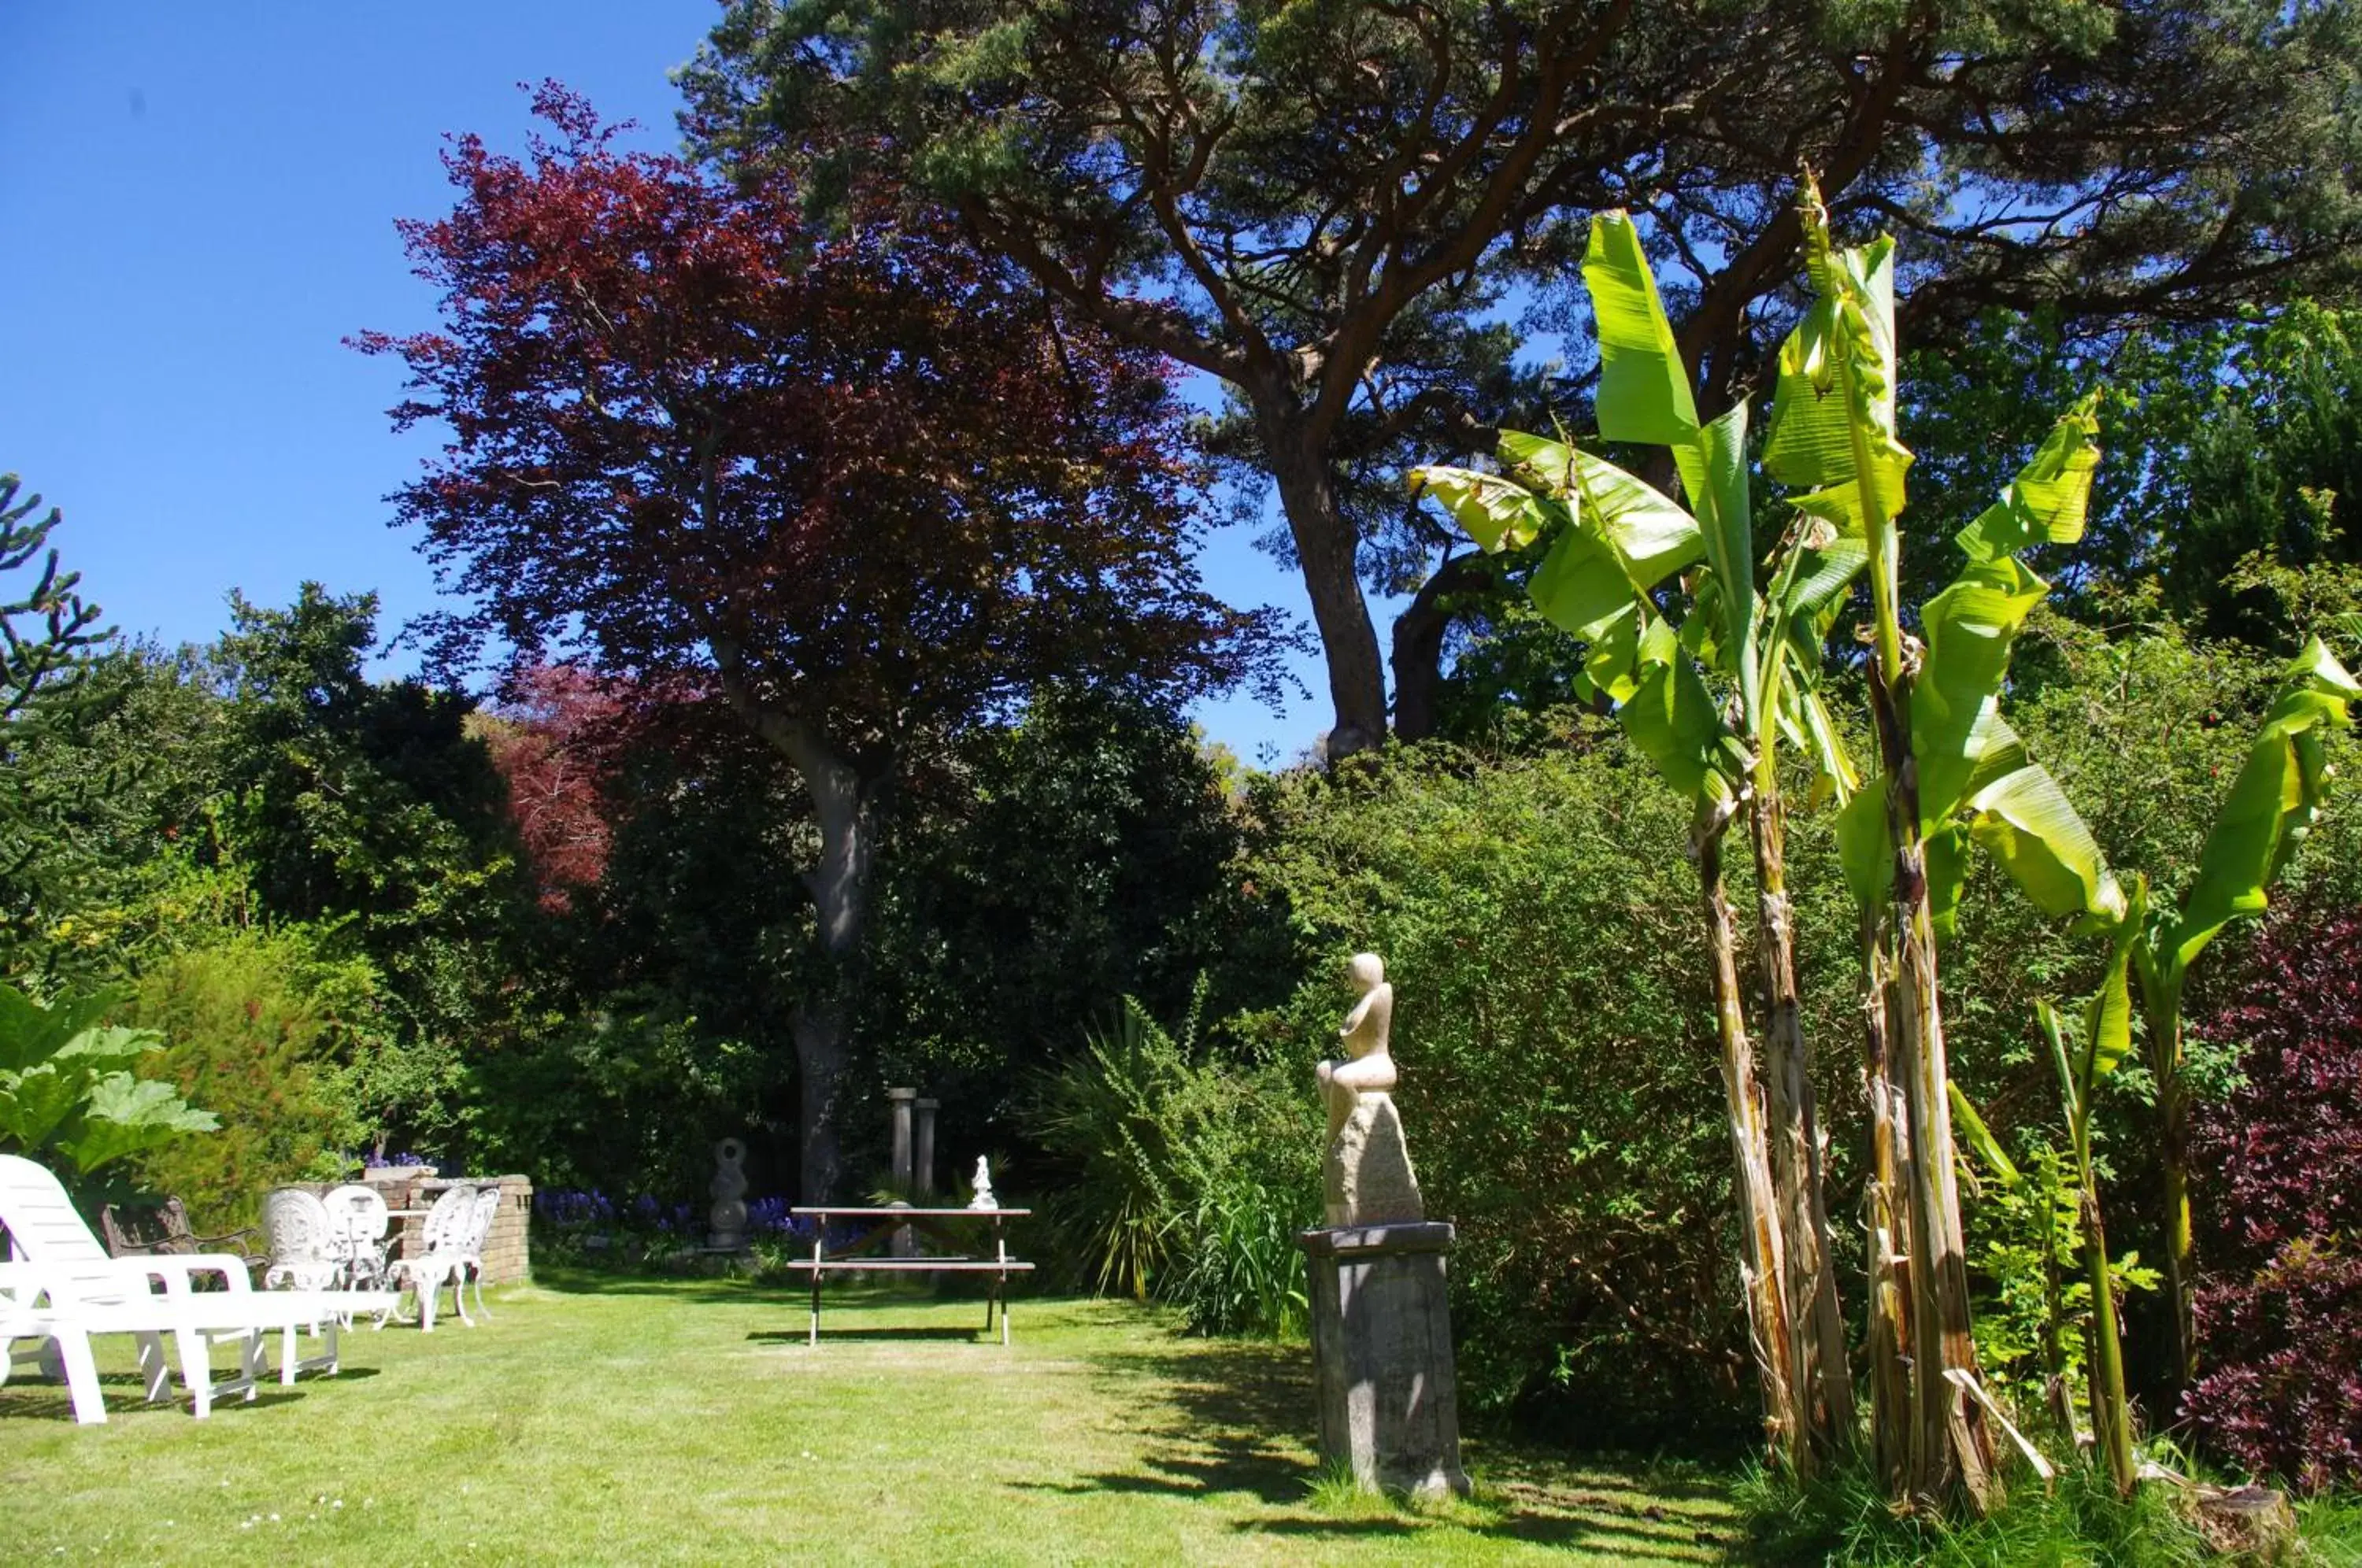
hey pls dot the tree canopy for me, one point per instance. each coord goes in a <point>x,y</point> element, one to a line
<point>1309,201</point>
<point>858,484</point>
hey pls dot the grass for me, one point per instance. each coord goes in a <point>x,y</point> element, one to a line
<point>607,1421</point>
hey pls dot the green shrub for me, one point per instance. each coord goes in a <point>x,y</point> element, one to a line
<point>1558,1069</point>
<point>1181,1180</point>
<point>266,1033</point>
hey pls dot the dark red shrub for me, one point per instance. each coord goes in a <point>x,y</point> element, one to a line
<point>2279,1207</point>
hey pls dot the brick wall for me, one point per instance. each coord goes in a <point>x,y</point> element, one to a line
<point>507,1250</point>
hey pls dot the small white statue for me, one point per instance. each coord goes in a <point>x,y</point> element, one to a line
<point>983,1198</point>
<point>1367,1175</point>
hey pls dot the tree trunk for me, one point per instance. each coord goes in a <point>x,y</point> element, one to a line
<point>1889,1219</point>
<point>1761,1265</point>
<point>1419,632</point>
<point>843,803</point>
<point>1818,1355</point>
<point>1950,1441</point>
<point>1326,546</point>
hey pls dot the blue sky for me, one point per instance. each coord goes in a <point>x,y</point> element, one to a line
<point>200,206</point>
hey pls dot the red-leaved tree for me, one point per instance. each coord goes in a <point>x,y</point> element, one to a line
<point>557,741</point>
<point>857,483</point>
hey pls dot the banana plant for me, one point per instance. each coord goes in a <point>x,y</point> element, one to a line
<point>2270,808</point>
<point>2083,1060</point>
<point>1618,542</point>
<point>1945,753</point>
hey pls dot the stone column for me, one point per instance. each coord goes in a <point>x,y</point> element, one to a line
<point>1382,1364</point>
<point>899,1101</point>
<point>922,1175</point>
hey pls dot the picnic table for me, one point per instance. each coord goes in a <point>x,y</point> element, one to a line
<point>864,1250</point>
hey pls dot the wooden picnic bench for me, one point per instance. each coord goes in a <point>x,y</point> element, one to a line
<point>864,1250</point>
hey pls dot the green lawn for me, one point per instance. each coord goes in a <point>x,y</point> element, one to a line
<point>629,1422</point>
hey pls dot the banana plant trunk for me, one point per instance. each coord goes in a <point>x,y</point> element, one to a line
<point>2112,1424</point>
<point>1950,1442</point>
<point>1761,1261</point>
<point>1889,1213</point>
<point>2181,1253</point>
<point>1817,1357</point>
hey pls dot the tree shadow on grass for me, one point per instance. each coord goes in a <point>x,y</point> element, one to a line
<point>1215,1419</point>
<point>1225,1418</point>
<point>948,1332</point>
<point>51,1402</point>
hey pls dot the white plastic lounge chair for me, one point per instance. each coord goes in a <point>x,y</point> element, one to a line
<point>62,1349</point>
<point>448,1226</point>
<point>80,1289</point>
<point>479,1231</point>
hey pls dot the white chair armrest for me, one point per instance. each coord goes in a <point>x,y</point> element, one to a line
<point>178,1271</point>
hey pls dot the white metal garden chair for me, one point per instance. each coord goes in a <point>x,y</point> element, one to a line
<point>304,1240</point>
<point>479,1231</point>
<point>447,1230</point>
<point>359,1221</point>
<point>74,1287</point>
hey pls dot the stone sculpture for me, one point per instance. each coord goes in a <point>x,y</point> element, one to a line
<point>983,1198</point>
<point>728,1214</point>
<point>1367,1177</point>
<point>1382,1374</point>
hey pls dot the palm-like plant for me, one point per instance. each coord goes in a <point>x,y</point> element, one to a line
<point>1617,543</point>
<point>2267,815</point>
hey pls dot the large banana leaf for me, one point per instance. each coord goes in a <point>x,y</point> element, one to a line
<point>2048,501</point>
<point>1652,535</point>
<point>1723,515</point>
<point>2269,809</point>
<point>1979,1137</point>
<point>1498,513</point>
<point>1644,389</point>
<point>1957,696</point>
<point>1815,441</point>
<point>1581,587</point>
<point>1864,853</point>
<point>2108,1017</point>
<point>1670,716</point>
<point>2024,821</point>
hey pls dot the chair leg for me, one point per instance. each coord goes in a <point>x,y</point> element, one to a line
<point>153,1368</point>
<point>196,1370</point>
<point>82,1378</point>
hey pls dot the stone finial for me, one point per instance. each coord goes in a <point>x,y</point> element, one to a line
<point>1367,1176</point>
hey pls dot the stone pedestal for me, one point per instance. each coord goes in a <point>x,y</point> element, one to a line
<point>1382,1362</point>
<point>899,1099</point>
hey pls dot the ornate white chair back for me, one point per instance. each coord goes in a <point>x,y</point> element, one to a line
<point>480,1223</point>
<point>359,1219</point>
<point>303,1240</point>
<point>447,1223</point>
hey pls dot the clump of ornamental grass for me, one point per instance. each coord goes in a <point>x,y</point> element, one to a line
<point>1843,1516</point>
